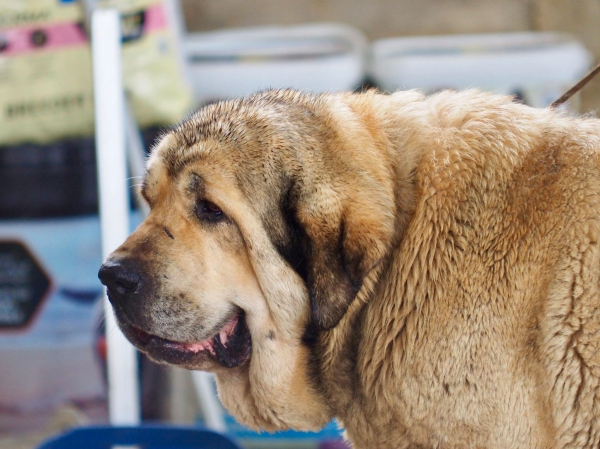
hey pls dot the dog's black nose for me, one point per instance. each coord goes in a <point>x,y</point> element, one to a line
<point>120,277</point>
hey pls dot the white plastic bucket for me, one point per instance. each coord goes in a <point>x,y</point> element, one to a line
<point>237,62</point>
<point>539,67</point>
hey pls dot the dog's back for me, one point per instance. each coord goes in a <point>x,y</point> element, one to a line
<point>488,332</point>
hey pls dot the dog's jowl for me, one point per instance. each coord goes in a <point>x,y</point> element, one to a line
<point>425,269</point>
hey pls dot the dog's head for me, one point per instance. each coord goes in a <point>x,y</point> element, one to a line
<point>266,215</point>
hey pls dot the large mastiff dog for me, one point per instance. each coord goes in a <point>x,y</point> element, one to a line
<point>426,269</point>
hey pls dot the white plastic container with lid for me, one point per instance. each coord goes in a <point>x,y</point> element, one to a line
<point>538,67</point>
<point>238,62</point>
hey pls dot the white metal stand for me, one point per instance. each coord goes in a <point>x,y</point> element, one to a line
<point>123,385</point>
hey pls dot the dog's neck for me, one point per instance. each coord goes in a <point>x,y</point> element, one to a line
<point>399,149</point>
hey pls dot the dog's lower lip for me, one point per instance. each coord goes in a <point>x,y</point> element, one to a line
<point>143,337</point>
<point>146,338</point>
<point>229,347</point>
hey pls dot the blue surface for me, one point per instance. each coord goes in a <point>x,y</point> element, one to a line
<point>329,432</point>
<point>146,437</point>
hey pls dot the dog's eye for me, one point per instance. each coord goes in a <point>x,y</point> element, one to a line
<point>207,211</point>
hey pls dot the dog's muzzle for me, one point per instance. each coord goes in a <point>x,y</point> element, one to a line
<point>129,291</point>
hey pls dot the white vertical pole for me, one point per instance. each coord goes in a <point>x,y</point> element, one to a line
<point>109,105</point>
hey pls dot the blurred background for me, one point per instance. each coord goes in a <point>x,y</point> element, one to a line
<point>177,56</point>
<point>383,19</point>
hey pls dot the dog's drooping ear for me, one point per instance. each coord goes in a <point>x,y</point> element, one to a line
<point>347,235</point>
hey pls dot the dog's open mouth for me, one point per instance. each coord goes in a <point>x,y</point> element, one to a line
<point>230,347</point>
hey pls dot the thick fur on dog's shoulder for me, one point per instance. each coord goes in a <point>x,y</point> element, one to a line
<point>424,268</point>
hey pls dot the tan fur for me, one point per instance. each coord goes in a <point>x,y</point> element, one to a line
<point>425,269</point>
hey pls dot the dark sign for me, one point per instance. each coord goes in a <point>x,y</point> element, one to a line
<point>23,285</point>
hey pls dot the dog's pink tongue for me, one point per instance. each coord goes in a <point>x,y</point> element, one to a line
<point>200,346</point>
<point>208,344</point>
<point>227,331</point>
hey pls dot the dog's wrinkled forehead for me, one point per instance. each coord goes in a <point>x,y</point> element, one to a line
<point>250,124</point>
<point>248,137</point>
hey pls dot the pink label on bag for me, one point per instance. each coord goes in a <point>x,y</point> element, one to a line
<point>30,39</point>
<point>60,35</point>
<point>156,18</point>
